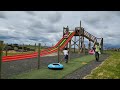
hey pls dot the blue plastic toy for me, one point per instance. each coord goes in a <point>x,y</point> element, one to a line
<point>55,66</point>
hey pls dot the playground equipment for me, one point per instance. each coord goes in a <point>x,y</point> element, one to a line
<point>55,66</point>
<point>64,41</point>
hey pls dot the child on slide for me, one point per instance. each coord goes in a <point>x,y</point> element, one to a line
<point>66,34</point>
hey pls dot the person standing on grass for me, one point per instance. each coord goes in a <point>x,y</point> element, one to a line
<point>65,51</point>
<point>97,51</point>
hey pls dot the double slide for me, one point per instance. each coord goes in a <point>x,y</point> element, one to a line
<point>62,43</point>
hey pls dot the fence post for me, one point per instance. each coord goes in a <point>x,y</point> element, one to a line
<point>39,49</point>
<point>102,46</point>
<point>58,53</point>
<point>84,49</point>
<point>35,47</point>
<point>6,49</point>
<point>22,48</point>
<point>1,46</point>
<point>69,49</point>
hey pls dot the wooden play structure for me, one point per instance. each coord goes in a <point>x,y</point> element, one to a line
<point>82,33</point>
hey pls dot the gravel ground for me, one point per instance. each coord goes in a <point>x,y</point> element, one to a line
<point>21,66</point>
<point>82,72</point>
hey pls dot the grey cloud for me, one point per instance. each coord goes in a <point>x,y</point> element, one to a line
<point>96,23</point>
<point>2,15</point>
<point>8,37</point>
<point>55,17</point>
<point>100,26</point>
<point>36,38</point>
<point>92,21</point>
<point>4,37</point>
<point>42,27</point>
<point>30,12</point>
<point>116,35</point>
<point>38,24</point>
<point>52,29</point>
<point>116,12</point>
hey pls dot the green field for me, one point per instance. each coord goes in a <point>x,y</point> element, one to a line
<point>12,52</point>
<point>45,73</point>
<point>109,69</point>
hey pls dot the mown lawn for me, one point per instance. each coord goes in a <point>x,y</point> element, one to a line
<point>45,73</point>
<point>11,53</point>
<point>109,69</point>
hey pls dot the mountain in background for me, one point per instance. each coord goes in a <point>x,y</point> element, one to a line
<point>111,46</point>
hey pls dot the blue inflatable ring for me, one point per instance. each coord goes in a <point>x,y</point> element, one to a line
<point>55,66</point>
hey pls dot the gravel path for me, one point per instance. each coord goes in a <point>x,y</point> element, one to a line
<point>21,66</point>
<point>82,72</point>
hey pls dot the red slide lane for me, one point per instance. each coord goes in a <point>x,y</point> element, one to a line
<point>70,37</point>
<point>67,40</point>
<point>46,50</point>
<point>49,50</point>
<point>33,55</point>
<point>56,44</point>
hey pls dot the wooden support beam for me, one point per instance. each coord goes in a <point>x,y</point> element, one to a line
<point>84,49</point>
<point>69,50</point>
<point>102,45</point>
<point>63,31</point>
<point>89,45</point>
<point>82,43</point>
<point>98,38</point>
<point>39,49</point>
<point>22,48</point>
<point>35,47</point>
<point>77,41</point>
<point>1,48</point>
<point>74,43</point>
<point>79,45</point>
<point>58,53</point>
<point>80,24</point>
<point>6,51</point>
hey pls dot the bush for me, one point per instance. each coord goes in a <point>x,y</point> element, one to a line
<point>16,48</point>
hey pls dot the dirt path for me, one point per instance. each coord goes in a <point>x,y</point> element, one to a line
<point>82,72</point>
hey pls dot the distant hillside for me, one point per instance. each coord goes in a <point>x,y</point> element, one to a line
<point>111,46</point>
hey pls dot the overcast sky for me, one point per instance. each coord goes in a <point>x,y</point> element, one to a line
<point>31,27</point>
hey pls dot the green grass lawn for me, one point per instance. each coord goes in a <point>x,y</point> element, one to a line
<point>11,53</point>
<point>15,53</point>
<point>109,69</point>
<point>45,73</point>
